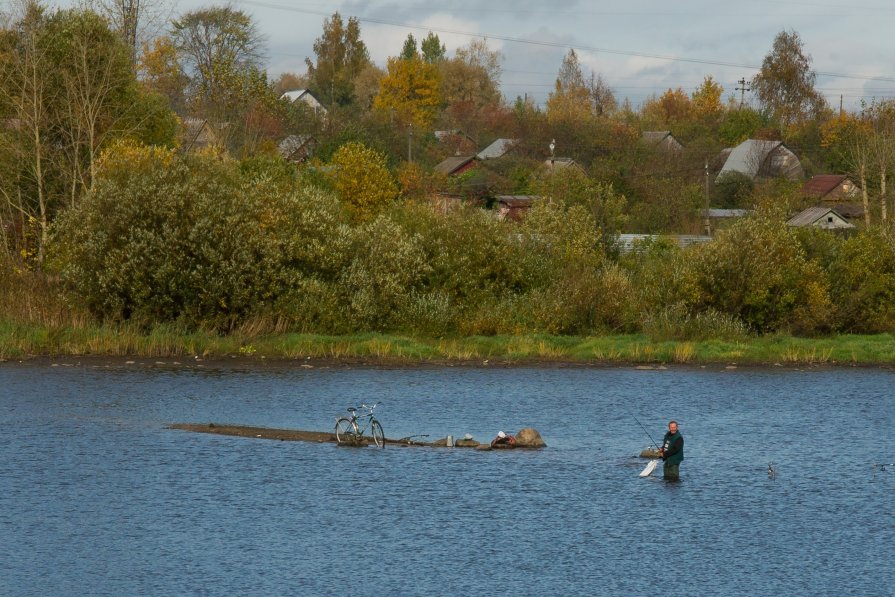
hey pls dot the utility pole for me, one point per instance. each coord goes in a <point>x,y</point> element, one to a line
<point>708,223</point>
<point>742,89</point>
<point>552,167</point>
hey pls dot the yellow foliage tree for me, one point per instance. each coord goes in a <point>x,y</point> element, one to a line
<point>362,179</point>
<point>411,88</point>
<point>706,100</point>
<point>570,99</point>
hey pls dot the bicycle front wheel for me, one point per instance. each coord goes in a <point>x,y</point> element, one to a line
<point>346,431</point>
<point>378,435</point>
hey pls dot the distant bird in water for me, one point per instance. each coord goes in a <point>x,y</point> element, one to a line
<point>772,472</point>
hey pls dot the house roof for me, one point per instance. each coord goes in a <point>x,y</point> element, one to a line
<point>450,165</point>
<point>655,136</point>
<point>497,149</point>
<point>562,163</point>
<point>444,135</point>
<point>748,156</point>
<point>517,200</point>
<point>811,215</point>
<point>296,94</point>
<point>629,242</point>
<point>822,184</point>
<point>293,143</point>
<point>725,213</point>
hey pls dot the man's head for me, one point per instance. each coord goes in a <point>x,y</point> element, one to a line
<point>672,427</point>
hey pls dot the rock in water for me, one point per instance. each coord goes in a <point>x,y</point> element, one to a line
<point>529,438</point>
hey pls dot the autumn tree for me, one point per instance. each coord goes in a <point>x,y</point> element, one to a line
<point>848,138</point>
<point>67,81</point>
<point>570,99</point>
<point>214,44</point>
<point>409,90</point>
<point>601,95</point>
<point>470,86</point>
<point>159,70</point>
<point>362,179</point>
<point>785,83</point>
<point>138,22</point>
<point>706,99</point>
<point>221,51</point>
<point>341,56</point>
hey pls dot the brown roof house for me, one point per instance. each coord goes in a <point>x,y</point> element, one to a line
<point>830,187</point>
<point>757,158</point>
<point>454,165</point>
<point>820,217</point>
<point>663,140</point>
<point>514,207</point>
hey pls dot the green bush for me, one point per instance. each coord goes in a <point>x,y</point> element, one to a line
<point>862,280</point>
<point>163,237</point>
<point>733,190</point>
<point>757,271</point>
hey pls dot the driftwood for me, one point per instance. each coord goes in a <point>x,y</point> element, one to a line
<point>297,435</point>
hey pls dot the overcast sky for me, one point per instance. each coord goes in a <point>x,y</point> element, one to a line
<point>640,47</point>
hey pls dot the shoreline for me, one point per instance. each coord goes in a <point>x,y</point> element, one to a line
<point>243,363</point>
<point>165,346</point>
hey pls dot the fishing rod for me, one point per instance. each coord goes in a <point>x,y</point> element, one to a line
<point>645,431</point>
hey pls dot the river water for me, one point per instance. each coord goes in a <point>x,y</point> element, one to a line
<point>99,497</point>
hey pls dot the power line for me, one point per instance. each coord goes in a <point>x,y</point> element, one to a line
<point>550,44</point>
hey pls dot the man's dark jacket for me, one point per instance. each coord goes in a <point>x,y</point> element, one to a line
<point>673,446</point>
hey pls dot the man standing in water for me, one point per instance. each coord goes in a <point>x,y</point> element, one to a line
<point>672,452</point>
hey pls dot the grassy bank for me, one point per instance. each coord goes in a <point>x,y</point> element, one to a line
<point>20,341</point>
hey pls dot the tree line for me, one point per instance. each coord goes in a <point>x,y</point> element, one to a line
<point>101,201</point>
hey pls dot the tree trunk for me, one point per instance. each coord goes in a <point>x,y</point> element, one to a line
<point>865,199</point>
<point>882,195</point>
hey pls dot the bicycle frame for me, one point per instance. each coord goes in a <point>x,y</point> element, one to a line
<point>367,416</point>
<point>357,424</point>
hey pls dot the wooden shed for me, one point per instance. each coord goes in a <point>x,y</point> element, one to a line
<point>820,217</point>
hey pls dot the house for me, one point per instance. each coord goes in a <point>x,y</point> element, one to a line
<point>830,187</point>
<point>663,140</point>
<point>455,165</point>
<point>563,165</point>
<point>820,217</point>
<point>498,149</point>
<point>514,207</point>
<point>628,243</point>
<point>724,214</point>
<point>305,95</point>
<point>757,158</point>
<point>198,133</point>
<point>457,140</point>
<point>297,148</point>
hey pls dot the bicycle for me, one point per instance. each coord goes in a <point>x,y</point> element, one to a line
<point>348,431</point>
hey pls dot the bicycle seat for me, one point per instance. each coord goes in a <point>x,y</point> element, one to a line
<point>352,410</point>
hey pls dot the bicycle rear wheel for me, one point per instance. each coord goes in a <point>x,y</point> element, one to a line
<point>346,431</point>
<point>378,434</point>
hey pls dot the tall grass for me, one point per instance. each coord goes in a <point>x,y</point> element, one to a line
<point>21,340</point>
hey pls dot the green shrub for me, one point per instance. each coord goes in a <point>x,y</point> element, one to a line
<point>163,237</point>
<point>757,271</point>
<point>677,323</point>
<point>862,279</point>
